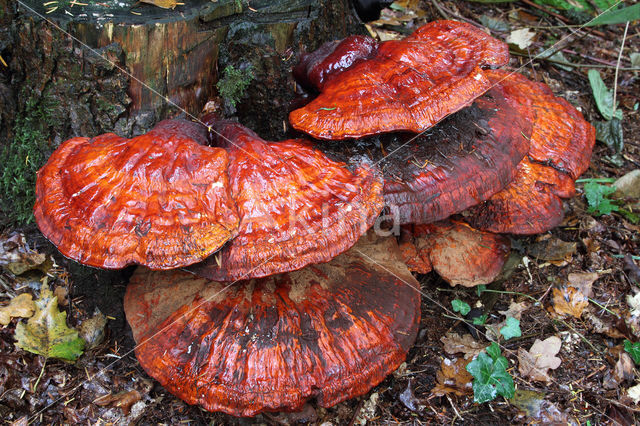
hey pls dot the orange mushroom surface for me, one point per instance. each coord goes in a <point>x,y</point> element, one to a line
<point>561,145</point>
<point>408,84</point>
<point>161,199</point>
<point>460,254</point>
<point>459,163</point>
<point>296,206</point>
<point>330,331</point>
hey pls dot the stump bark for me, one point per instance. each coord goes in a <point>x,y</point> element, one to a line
<point>114,66</point>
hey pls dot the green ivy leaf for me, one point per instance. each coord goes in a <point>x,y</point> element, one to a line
<point>46,333</point>
<point>491,378</point>
<point>511,329</point>
<point>459,306</point>
<point>597,197</point>
<point>480,320</point>
<point>633,349</point>
<point>603,96</point>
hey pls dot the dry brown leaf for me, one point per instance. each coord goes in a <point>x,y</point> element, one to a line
<point>515,310</point>
<point>552,249</point>
<point>454,343</point>
<point>453,377</point>
<point>634,393</point>
<point>583,281</point>
<point>21,306</point>
<point>16,256</point>
<point>569,301</point>
<point>601,326</point>
<point>123,400</point>
<point>536,362</point>
<point>534,405</point>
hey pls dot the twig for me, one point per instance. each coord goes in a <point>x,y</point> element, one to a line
<point>35,387</point>
<point>356,412</point>
<point>439,9</point>
<point>560,17</point>
<point>615,79</point>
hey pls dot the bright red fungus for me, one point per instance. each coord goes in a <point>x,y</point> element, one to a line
<point>329,331</point>
<point>160,199</point>
<point>296,206</point>
<point>460,254</point>
<point>561,145</point>
<point>408,84</point>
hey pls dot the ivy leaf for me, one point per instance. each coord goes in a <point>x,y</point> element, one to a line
<point>603,96</point>
<point>480,320</point>
<point>491,378</point>
<point>633,349</point>
<point>597,197</point>
<point>459,306</point>
<point>46,333</point>
<point>511,329</point>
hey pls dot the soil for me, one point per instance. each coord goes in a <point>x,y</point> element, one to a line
<point>68,393</point>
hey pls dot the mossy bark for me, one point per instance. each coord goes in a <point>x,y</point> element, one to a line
<point>114,70</point>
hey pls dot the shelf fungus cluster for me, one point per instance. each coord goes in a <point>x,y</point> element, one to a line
<point>261,284</point>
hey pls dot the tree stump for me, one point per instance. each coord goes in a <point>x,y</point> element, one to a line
<point>113,66</point>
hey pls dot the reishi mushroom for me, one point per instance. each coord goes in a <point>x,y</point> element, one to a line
<point>408,84</point>
<point>161,199</point>
<point>315,316</point>
<point>296,206</point>
<point>560,149</point>
<point>460,254</point>
<point>329,331</point>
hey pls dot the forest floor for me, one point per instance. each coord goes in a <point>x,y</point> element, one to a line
<point>572,284</point>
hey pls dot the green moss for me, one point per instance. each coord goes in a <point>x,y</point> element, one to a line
<point>233,84</point>
<point>22,158</point>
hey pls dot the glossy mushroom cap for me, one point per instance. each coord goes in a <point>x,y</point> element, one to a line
<point>296,206</point>
<point>409,84</point>
<point>561,145</point>
<point>330,331</point>
<point>161,199</point>
<point>460,254</point>
<point>459,163</point>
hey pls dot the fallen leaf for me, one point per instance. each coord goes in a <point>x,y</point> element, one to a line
<point>46,333</point>
<point>536,362</point>
<point>521,38</point>
<point>408,398</point>
<point>634,304</point>
<point>515,310</point>
<point>536,407</point>
<point>634,393</point>
<point>16,256</point>
<point>123,400</point>
<point>569,301</point>
<point>598,325</point>
<point>92,330</point>
<point>454,343</point>
<point>583,281</point>
<point>628,185</point>
<point>21,306</point>
<point>631,269</point>
<point>552,249</point>
<point>453,378</point>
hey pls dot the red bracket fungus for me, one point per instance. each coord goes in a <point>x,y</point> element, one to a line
<point>296,206</point>
<point>330,331</point>
<point>459,163</point>
<point>460,254</point>
<point>160,199</point>
<point>408,84</point>
<point>561,145</point>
